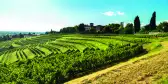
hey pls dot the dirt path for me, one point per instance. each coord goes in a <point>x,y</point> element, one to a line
<point>143,70</point>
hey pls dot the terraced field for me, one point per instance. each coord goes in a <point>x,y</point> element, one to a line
<point>59,58</point>
<point>150,68</point>
<point>28,48</point>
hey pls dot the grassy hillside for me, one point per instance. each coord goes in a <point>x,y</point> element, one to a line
<point>59,58</point>
<point>151,70</point>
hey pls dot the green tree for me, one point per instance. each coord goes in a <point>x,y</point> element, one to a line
<point>129,28</point>
<point>69,30</point>
<point>137,24</point>
<point>163,27</point>
<point>29,33</point>
<point>143,31</point>
<point>115,28</point>
<point>6,37</point>
<point>153,21</point>
<point>111,28</point>
<point>107,29</point>
<point>81,27</point>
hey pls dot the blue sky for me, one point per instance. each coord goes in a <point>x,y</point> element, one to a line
<point>43,15</point>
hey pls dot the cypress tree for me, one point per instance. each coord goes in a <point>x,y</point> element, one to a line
<point>153,21</point>
<point>137,24</point>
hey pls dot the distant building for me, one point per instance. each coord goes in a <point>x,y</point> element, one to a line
<point>87,27</point>
<point>98,27</point>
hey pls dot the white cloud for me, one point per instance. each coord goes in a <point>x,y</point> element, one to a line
<point>109,13</point>
<point>120,13</point>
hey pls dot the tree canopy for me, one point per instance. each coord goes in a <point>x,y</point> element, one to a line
<point>81,27</point>
<point>129,28</point>
<point>163,27</point>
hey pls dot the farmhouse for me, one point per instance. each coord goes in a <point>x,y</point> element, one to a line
<point>98,27</point>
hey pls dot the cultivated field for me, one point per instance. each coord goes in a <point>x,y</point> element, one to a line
<point>151,70</point>
<point>59,58</point>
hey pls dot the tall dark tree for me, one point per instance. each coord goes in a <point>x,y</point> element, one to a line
<point>81,27</point>
<point>153,21</point>
<point>137,24</point>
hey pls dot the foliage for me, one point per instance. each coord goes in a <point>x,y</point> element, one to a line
<point>153,21</point>
<point>59,68</point>
<point>81,27</point>
<point>137,24</point>
<point>107,29</point>
<point>112,28</point>
<point>5,37</point>
<point>143,31</point>
<point>163,27</point>
<point>129,29</point>
<point>69,30</point>
<point>115,28</point>
<point>147,28</point>
<point>59,58</point>
<point>21,35</point>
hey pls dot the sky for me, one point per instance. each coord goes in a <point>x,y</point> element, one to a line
<point>44,15</point>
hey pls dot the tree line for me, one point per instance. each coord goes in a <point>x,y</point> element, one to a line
<point>20,35</point>
<point>116,28</point>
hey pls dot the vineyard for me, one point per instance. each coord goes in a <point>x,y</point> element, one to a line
<point>58,58</point>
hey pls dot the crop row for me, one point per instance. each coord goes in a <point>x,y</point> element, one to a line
<point>61,67</point>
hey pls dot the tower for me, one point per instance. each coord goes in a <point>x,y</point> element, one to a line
<point>91,24</point>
